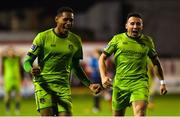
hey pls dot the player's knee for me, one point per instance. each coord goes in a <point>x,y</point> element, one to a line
<point>140,111</point>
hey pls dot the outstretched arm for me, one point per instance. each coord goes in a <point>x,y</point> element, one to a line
<point>106,81</point>
<point>159,73</point>
<point>95,88</point>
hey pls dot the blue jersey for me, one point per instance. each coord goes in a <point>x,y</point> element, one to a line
<point>95,75</point>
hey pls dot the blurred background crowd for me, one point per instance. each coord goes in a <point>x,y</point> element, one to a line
<point>96,21</point>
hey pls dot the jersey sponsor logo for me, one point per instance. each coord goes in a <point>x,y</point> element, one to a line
<point>125,43</point>
<point>33,47</point>
<point>143,45</point>
<point>53,45</point>
<point>42,100</point>
<point>133,53</point>
<point>70,46</point>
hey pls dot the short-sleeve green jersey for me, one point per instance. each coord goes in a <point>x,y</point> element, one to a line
<point>55,55</point>
<point>11,70</point>
<point>130,54</point>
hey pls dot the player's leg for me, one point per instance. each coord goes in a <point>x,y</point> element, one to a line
<point>65,114</point>
<point>17,98</point>
<point>139,108</point>
<point>7,100</point>
<point>139,99</point>
<point>120,100</point>
<point>7,97</point>
<point>119,112</point>
<point>53,102</point>
<point>46,112</point>
<point>44,101</point>
<point>65,109</point>
<point>65,106</point>
<point>96,101</point>
<point>61,99</point>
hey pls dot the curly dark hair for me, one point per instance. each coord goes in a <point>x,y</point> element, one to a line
<point>64,9</point>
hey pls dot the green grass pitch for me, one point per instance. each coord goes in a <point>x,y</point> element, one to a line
<point>168,105</point>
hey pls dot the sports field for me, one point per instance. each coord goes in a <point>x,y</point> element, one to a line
<point>168,105</point>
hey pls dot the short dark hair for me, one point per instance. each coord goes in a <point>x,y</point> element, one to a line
<point>134,14</point>
<point>64,9</point>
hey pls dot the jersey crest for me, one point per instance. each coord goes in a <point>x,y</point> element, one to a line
<point>70,46</point>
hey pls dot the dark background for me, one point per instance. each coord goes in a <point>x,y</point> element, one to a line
<point>95,20</point>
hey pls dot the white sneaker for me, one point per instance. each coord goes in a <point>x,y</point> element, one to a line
<point>8,112</point>
<point>95,110</point>
<point>17,112</point>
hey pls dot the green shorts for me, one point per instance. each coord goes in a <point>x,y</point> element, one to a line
<point>60,97</point>
<point>129,91</point>
<point>12,86</point>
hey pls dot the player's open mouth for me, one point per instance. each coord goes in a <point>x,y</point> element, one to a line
<point>135,31</point>
<point>67,28</point>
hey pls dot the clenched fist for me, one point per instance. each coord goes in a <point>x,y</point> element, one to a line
<point>163,89</point>
<point>107,82</point>
<point>35,71</point>
<point>95,88</point>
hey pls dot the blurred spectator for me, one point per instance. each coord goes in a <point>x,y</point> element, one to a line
<point>27,87</point>
<point>95,77</point>
<point>12,74</point>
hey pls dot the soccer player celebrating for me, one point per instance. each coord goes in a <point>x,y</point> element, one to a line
<point>58,51</point>
<point>131,50</point>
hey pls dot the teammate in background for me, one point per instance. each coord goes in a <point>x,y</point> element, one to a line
<point>95,77</point>
<point>12,74</point>
<point>131,50</point>
<point>58,51</point>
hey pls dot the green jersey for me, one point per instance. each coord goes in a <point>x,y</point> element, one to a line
<point>11,72</point>
<point>130,54</point>
<point>55,55</point>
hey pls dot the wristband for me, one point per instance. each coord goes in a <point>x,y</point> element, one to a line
<point>162,82</point>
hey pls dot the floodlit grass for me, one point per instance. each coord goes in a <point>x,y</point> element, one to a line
<point>168,105</point>
<point>28,108</point>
